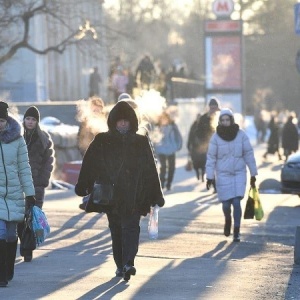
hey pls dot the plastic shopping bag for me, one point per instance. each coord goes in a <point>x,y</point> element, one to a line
<point>40,225</point>
<point>258,210</point>
<point>153,223</point>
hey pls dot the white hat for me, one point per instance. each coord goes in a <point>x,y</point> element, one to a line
<point>226,111</point>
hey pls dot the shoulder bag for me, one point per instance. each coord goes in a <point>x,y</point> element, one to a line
<point>102,195</point>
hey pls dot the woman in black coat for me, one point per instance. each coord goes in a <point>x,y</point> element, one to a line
<point>124,158</point>
<point>290,137</point>
<point>41,160</point>
<point>273,141</point>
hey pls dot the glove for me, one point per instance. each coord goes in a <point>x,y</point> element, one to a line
<point>160,201</point>
<point>209,182</point>
<point>79,191</point>
<point>252,181</point>
<point>30,200</point>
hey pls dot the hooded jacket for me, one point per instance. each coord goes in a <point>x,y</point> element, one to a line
<point>15,174</point>
<point>125,160</point>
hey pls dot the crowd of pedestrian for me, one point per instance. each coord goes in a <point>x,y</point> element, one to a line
<point>283,137</point>
<point>137,157</point>
<point>132,78</point>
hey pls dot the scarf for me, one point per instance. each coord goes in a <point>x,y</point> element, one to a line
<point>228,133</point>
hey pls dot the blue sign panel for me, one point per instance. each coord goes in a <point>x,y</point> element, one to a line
<point>297,18</point>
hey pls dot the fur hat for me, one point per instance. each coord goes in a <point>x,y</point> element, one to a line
<point>3,110</point>
<point>32,111</point>
<point>214,101</point>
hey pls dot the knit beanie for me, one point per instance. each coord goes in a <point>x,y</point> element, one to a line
<point>3,110</point>
<point>32,111</point>
<point>214,101</point>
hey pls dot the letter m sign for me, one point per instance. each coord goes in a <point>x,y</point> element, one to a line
<point>223,8</point>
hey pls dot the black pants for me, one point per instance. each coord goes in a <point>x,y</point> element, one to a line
<point>167,163</point>
<point>125,234</point>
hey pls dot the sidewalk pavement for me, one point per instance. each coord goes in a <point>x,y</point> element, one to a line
<point>192,259</point>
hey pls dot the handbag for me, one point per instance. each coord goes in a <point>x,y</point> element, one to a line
<point>249,210</point>
<point>40,225</point>
<point>102,195</point>
<point>28,241</point>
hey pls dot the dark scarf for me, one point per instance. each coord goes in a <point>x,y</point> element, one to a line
<point>228,133</point>
<point>30,137</point>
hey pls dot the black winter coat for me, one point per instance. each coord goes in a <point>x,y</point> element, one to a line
<point>41,159</point>
<point>290,138</point>
<point>198,140</point>
<point>125,160</point>
<point>273,142</point>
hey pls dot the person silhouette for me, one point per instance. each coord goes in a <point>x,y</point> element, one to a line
<point>95,80</point>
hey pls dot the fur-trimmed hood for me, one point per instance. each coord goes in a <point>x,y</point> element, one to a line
<point>11,132</point>
<point>122,110</point>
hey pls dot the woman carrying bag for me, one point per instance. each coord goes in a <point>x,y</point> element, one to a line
<point>15,182</point>
<point>41,160</point>
<point>229,153</point>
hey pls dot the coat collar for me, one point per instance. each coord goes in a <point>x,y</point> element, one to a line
<point>12,131</point>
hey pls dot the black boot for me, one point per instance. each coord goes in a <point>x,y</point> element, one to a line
<point>11,257</point>
<point>227,227</point>
<point>128,270</point>
<point>27,255</point>
<point>3,278</point>
<point>236,234</point>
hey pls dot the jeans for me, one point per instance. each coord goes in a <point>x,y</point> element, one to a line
<point>237,210</point>
<point>166,162</point>
<point>125,234</point>
<point>8,231</point>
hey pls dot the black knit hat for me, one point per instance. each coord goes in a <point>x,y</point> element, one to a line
<point>214,101</point>
<point>3,110</point>
<point>32,111</point>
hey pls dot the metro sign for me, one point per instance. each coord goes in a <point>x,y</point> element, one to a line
<point>223,8</point>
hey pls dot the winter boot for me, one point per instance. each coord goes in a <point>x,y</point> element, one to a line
<point>236,234</point>
<point>3,278</point>
<point>27,255</point>
<point>11,257</point>
<point>227,227</point>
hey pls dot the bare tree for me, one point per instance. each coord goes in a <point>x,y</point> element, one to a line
<point>67,22</point>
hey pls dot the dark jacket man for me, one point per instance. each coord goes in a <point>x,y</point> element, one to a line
<point>124,158</point>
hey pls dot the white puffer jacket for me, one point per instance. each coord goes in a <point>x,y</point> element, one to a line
<point>227,161</point>
<point>15,174</point>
